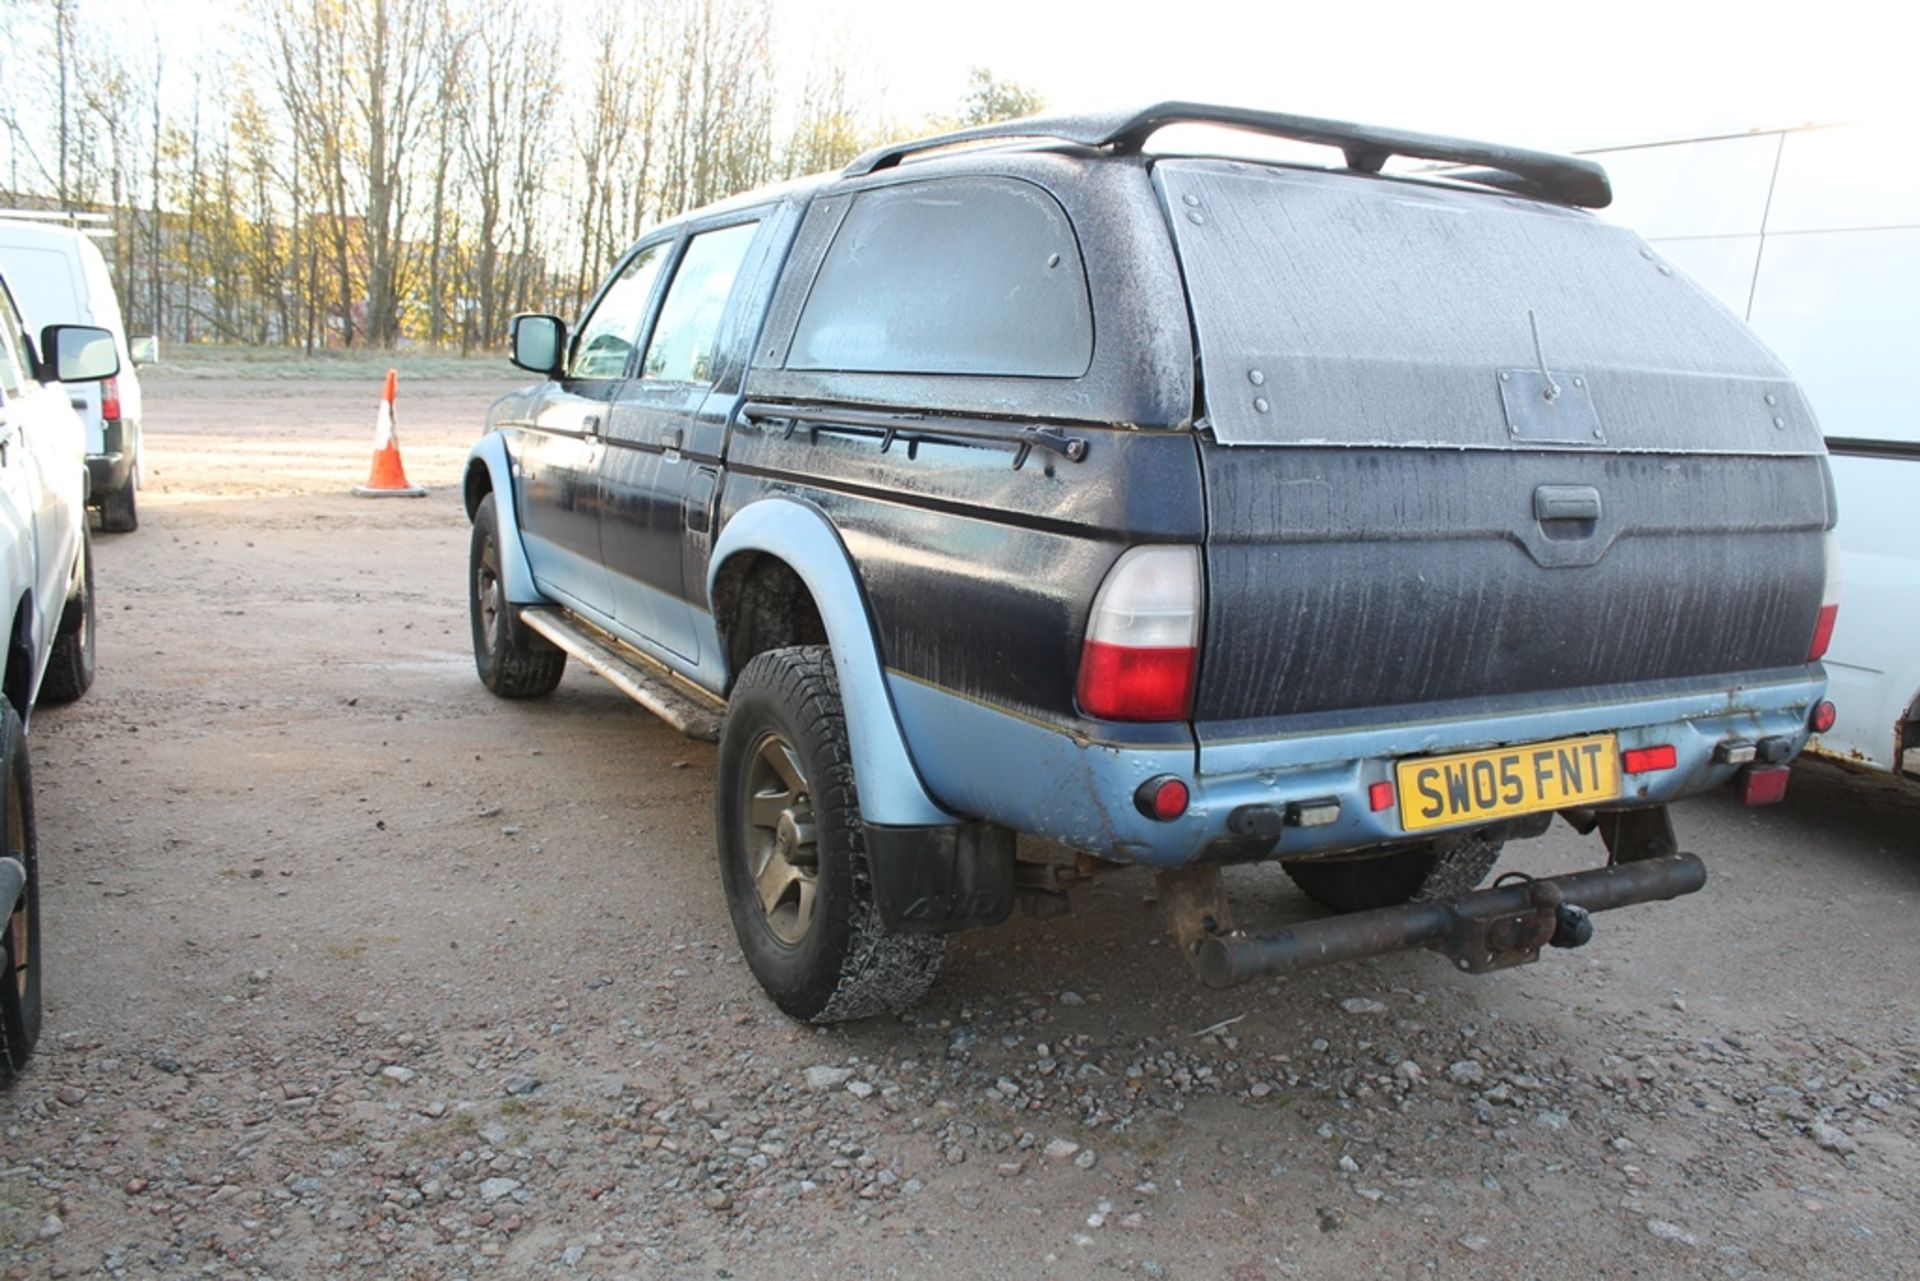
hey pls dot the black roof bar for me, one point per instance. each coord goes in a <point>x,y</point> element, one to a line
<point>1566,180</point>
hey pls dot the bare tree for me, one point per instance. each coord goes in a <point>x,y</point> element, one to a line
<point>359,171</point>
<point>991,99</point>
<point>506,96</point>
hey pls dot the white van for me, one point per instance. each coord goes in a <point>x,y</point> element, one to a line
<point>60,278</point>
<point>1812,235</point>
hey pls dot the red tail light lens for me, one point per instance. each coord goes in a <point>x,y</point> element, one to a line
<point>1648,760</point>
<point>1142,648</point>
<point>1824,715</point>
<point>1829,605</point>
<point>1823,632</point>
<point>1380,796</point>
<point>110,399</point>
<point>1121,684</point>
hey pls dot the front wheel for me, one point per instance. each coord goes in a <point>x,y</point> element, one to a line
<point>1434,870</point>
<point>20,943</point>
<point>792,852</point>
<point>508,668</point>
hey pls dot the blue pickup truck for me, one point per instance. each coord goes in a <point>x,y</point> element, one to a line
<point>1181,510</point>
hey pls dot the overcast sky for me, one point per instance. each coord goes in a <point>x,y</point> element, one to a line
<point>1543,74</point>
<point>1558,75</point>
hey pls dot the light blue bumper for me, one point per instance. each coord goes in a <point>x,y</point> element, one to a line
<point>986,762</point>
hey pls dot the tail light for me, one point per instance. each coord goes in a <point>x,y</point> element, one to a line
<point>1142,647</point>
<point>110,399</point>
<point>1829,605</point>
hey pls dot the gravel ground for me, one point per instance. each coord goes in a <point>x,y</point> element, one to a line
<point>353,969</point>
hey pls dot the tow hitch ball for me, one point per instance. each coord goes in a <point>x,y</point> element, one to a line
<point>1572,926</point>
<point>1548,918</point>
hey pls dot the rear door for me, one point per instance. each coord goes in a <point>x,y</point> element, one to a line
<point>666,430</point>
<point>1466,451</point>
<point>559,498</point>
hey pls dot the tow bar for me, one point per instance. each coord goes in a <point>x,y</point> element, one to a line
<point>1488,929</point>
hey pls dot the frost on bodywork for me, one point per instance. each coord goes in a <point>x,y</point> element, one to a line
<point>1370,312</point>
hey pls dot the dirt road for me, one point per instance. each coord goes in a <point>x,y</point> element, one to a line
<point>355,970</point>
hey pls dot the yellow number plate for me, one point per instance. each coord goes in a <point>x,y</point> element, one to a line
<point>1441,791</point>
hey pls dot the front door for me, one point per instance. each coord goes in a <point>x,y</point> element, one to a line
<point>560,449</point>
<point>667,425</point>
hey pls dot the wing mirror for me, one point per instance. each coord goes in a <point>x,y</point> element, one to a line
<point>79,353</point>
<point>144,349</point>
<point>538,343</point>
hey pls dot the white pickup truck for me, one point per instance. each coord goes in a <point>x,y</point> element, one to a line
<point>1813,239</point>
<point>46,574</point>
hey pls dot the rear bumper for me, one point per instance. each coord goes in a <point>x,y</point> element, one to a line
<point>112,467</point>
<point>985,762</point>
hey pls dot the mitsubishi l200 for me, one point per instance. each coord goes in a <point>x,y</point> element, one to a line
<point>1182,510</point>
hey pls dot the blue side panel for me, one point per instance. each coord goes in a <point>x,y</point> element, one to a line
<point>490,451</point>
<point>891,792</point>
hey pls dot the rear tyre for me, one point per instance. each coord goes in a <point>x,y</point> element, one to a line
<point>1440,869</point>
<point>20,940</point>
<point>120,508</point>
<point>507,667</point>
<point>793,854</point>
<point>70,664</point>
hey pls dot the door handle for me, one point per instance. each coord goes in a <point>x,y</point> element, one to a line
<point>1566,502</point>
<point>672,437</point>
<point>591,424</point>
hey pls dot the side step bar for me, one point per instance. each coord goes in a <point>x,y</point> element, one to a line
<point>1485,930</point>
<point>692,711</point>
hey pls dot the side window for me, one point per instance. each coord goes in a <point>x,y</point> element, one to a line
<point>682,348</point>
<point>607,336</point>
<point>953,276</point>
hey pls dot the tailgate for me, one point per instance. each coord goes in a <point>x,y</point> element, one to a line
<point>1360,579</point>
<point>1399,514</point>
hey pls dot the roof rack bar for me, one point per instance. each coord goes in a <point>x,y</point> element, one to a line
<point>55,215</point>
<point>1543,175</point>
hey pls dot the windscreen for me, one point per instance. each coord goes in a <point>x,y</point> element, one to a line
<point>1356,311</point>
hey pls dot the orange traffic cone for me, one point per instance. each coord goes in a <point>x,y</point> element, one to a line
<point>388,479</point>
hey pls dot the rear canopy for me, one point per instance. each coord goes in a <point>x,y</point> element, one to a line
<point>1341,310</point>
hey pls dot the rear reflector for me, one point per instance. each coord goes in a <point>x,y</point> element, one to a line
<point>1762,784</point>
<point>1824,715</point>
<point>1646,760</point>
<point>1380,796</point>
<point>1163,798</point>
<point>1142,646</point>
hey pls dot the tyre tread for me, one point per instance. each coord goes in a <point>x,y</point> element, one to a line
<point>507,668</point>
<point>881,972</point>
